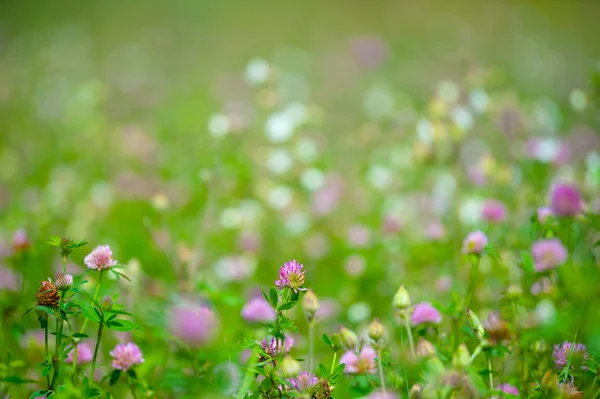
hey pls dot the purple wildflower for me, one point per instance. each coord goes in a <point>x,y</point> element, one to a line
<point>290,275</point>
<point>493,211</point>
<point>194,324</point>
<point>304,381</point>
<point>84,354</point>
<point>125,356</point>
<point>424,312</point>
<point>474,243</point>
<point>258,310</point>
<point>271,345</point>
<point>361,363</point>
<point>100,258</point>
<point>20,241</point>
<point>568,353</point>
<point>548,254</point>
<point>507,388</point>
<point>566,200</point>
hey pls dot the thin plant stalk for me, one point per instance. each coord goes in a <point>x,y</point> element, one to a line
<point>247,381</point>
<point>59,325</point>
<point>411,343</point>
<point>380,365</point>
<point>95,296</point>
<point>489,359</point>
<point>333,362</point>
<point>46,350</point>
<point>472,281</point>
<point>311,344</point>
<point>100,328</point>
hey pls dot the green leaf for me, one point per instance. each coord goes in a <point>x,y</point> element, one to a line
<point>89,312</point>
<point>41,392</point>
<point>323,371</point>
<point>326,339</point>
<point>273,297</point>
<point>122,325</point>
<point>287,306</point>
<point>44,309</point>
<point>527,262</point>
<point>80,335</point>
<point>114,377</point>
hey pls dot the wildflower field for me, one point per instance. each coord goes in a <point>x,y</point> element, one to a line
<point>345,199</point>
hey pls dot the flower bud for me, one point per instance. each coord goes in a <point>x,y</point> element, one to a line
<point>47,295</point>
<point>349,338</point>
<point>461,357</point>
<point>550,380</point>
<point>475,324</point>
<point>106,303</point>
<point>401,299</point>
<point>376,330</point>
<point>336,343</point>
<point>310,304</point>
<point>514,292</point>
<point>63,281</point>
<point>290,367</point>
<point>425,348</point>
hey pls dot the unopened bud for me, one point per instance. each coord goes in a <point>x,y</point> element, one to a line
<point>310,304</point>
<point>475,324</point>
<point>514,292</point>
<point>63,281</point>
<point>376,330</point>
<point>425,348</point>
<point>349,338</point>
<point>401,299</point>
<point>106,303</point>
<point>336,342</point>
<point>461,357</point>
<point>290,367</point>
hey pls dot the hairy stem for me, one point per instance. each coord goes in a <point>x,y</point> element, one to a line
<point>472,281</point>
<point>46,351</point>
<point>333,362</point>
<point>311,344</point>
<point>100,327</point>
<point>381,377</point>
<point>55,359</point>
<point>489,359</point>
<point>411,343</point>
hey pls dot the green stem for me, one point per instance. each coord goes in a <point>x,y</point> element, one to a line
<point>333,362</point>
<point>311,344</point>
<point>476,352</point>
<point>596,394</point>
<point>46,351</point>
<point>75,344</point>
<point>489,359</point>
<point>55,359</point>
<point>95,296</point>
<point>381,377</point>
<point>100,327</point>
<point>132,386</point>
<point>411,343</point>
<point>472,281</point>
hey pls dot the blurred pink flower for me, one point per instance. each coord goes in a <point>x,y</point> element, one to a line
<point>355,265</point>
<point>424,312</point>
<point>126,356</point>
<point>194,324</point>
<point>8,279</point>
<point>493,211</point>
<point>548,254</point>
<point>20,241</point>
<point>369,51</point>
<point>361,363</point>
<point>359,236</point>
<point>258,310</point>
<point>100,258</point>
<point>474,243</point>
<point>379,394</point>
<point>249,241</point>
<point>325,199</point>
<point>85,354</point>
<point>443,284</point>
<point>435,231</point>
<point>507,388</point>
<point>565,200</point>
<point>392,224</point>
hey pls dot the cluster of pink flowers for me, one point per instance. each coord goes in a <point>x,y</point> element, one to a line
<point>126,356</point>
<point>100,258</point>
<point>360,363</point>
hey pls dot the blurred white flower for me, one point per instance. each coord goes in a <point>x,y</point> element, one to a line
<point>380,176</point>
<point>425,131</point>
<point>218,125</point>
<point>545,312</point>
<point>479,100</point>
<point>359,312</point>
<point>280,197</point>
<point>306,150</point>
<point>470,211</point>
<point>578,100</point>
<point>462,118</point>
<point>312,179</point>
<point>448,91</point>
<point>297,223</point>
<point>257,71</point>
<point>279,161</point>
<point>378,102</point>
